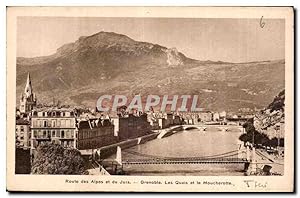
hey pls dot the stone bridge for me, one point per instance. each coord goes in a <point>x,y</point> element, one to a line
<point>225,128</point>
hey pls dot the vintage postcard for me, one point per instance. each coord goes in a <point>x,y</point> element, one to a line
<point>150,99</point>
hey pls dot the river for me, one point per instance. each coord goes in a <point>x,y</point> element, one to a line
<point>191,143</point>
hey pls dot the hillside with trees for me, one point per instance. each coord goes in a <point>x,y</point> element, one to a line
<point>267,126</point>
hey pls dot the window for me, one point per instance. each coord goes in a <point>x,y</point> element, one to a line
<point>53,133</point>
<point>53,123</point>
<point>57,134</point>
<point>40,134</point>
<point>63,123</point>
<point>45,123</point>
<point>68,123</point>
<point>130,123</point>
<point>62,134</point>
<point>33,122</point>
<point>40,123</point>
<point>71,122</point>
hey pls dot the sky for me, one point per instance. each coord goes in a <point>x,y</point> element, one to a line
<point>230,40</point>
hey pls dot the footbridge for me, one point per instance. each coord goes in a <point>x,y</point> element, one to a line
<point>224,158</point>
<point>239,156</point>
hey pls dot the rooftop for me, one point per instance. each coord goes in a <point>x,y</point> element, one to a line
<point>22,121</point>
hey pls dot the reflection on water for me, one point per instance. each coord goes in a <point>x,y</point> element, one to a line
<point>192,143</point>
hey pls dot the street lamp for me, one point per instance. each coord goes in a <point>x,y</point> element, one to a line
<point>277,128</point>
<point>253,138</point>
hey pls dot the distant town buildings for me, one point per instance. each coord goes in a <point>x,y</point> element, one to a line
<point>161,120</point>
<point>235,120</point>
<point>197,117</point>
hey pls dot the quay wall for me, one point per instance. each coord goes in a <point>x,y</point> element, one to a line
<point>108,150</point>
<point>112,149</point>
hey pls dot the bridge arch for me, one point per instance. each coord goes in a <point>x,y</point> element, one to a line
<point>224,128</point>
<point>191,127</point>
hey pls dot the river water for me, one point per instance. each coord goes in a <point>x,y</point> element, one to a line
<point>191,143</point>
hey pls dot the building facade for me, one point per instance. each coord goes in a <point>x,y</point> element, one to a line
<point>54,125</point>
<point>23,134</point>
<point>205,116</point>
<point>177,120</point>
<point>95,133</point>
<point>216,117</point>
<point>132,126</point>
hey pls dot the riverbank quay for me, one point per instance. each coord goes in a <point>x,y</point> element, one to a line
<point>108,150</point>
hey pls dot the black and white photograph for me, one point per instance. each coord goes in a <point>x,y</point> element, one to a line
<point>111,96</point>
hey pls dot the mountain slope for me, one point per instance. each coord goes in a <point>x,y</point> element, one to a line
<point>109,63</point>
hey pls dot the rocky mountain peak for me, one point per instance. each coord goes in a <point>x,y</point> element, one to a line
<point>98,40</point>
<point>173,57</point>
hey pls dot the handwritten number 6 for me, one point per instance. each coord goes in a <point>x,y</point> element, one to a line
<point>262,23</point>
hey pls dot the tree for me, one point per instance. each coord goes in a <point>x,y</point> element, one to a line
<point>54,159</point>
<point>251,132</point>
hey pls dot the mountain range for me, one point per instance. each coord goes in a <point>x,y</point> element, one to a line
<point>110,63</point>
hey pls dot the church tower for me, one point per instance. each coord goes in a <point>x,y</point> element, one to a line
<point>28,98</point>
